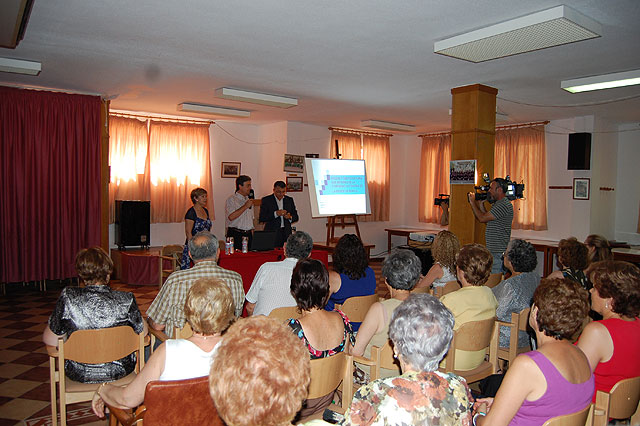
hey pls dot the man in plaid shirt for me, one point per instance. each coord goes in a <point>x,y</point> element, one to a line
<point>167,309</point>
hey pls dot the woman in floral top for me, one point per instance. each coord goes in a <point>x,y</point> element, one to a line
<point>324,333</point>
<point>421,330</point>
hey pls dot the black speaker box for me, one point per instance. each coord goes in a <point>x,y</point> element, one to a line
<point>132,223</point>
<point>579,151</point>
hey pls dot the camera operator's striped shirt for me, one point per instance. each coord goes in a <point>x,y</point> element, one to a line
<point>498,232</point>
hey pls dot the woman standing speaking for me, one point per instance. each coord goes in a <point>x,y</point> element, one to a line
<point>196,220</point>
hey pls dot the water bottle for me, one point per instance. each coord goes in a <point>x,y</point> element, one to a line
<point>245,244</point>
<point>232,247</point>
<point>226,247</point>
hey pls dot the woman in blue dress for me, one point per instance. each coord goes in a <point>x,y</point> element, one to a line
<point>196,220</point>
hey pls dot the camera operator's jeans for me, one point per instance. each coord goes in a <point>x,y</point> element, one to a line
<point>497,267</point>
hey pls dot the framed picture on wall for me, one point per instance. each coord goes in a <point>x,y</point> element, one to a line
<point>294,183</point>
<point>229,169</point>
<point>581,188</point>
<point>293,163</point>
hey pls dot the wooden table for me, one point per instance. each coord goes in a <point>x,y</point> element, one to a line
<point>548,249</point>
<point>402,232</point>
<point>627,254</point>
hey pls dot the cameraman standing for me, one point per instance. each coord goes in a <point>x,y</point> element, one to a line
<point>498,220</point>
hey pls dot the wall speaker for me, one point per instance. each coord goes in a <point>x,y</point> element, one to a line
<point>132,224</point>
<point>579,157</point>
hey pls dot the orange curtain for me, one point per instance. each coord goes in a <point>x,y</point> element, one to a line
<point>180,162</point>
<point>521,154</point>
<point>434,175</point>
<point>375,150</point>
<point>128,161</point>
<point>350,145</point>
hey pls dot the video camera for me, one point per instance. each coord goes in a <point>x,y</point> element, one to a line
<point>442,198</point>
<point>514,190</point>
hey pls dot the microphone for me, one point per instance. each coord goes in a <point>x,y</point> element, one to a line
<point>252,195</point>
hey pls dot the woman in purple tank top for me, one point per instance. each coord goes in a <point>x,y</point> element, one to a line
<point>554,380</point>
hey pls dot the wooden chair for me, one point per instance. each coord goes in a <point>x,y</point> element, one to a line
<point>284,313</point>
<point>380,358</point>
<point>178,333</point>
<point>356,308</point>
<point>173,402</point>
<point>172,253</point>
<point>474,336</point>
<point>90,347</point>
<point>619,403</point>
<point>575,419</point>
<point>326,375</point>
<point>519,322</point>
<point>494,280</point>
<point>449,287</point>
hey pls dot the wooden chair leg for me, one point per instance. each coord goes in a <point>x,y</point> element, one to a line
<point>54,400</point>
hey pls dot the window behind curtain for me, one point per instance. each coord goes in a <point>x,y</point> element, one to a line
<point>169,159</point>
<point>374,150</point>
<point>518,152</point>
<point>434,175</point>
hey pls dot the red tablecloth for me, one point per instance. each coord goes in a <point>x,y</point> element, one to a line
<point>247,264</point>
<point>141,268</point>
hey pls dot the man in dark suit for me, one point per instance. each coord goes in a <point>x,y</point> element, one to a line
<point>278,212</point>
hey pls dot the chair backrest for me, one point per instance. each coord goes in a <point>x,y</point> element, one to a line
<point>474,335</point>
<point>384,359</point>
<point>327,373</point>
<point>356,308</point>
<point>574,419</point>
<point>172,249</point>
<point>521,319</point>
<point>449,287</point>
<point>102,345</point>
<point>183,333</point>
<point>285,313</point>
<point>619,403</point>
<point>494,280</point>
<point>180,402</point>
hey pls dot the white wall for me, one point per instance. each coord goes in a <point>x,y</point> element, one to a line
<point>260,149</point>
<point>627,191</point>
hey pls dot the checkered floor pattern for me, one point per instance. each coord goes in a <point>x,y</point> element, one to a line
<point>24,365</point>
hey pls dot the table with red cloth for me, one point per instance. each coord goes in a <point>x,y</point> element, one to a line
<point>247,264</point>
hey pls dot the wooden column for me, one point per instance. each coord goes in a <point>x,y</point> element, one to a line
<point>473,128</point>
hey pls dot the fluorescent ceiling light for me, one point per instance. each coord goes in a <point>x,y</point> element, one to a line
<point>386,125</point>
<point>212,110</point>
<point>20,66</point>
<point>548,28</point>
<point>599,82</point>
<point>255,97</point>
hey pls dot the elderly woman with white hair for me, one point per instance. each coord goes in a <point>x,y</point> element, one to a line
<point>421,330</point>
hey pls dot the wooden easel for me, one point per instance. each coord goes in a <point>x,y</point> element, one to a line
<point>340,220</point>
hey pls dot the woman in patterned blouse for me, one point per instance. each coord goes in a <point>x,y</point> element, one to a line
<point>421,330</point>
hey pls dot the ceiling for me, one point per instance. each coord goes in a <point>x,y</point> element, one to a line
<point>345,61</point>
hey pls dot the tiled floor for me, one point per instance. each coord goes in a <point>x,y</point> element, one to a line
<point>24,364</point>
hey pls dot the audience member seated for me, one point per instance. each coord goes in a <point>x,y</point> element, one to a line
<point>573,259</point>
<point>474,301</point>
<point>515,293</point>
<point>94,306</point>
<point>613,344</point>
<point>260,374</point>
<point>167,309</point>
<point>323,333</point>
<point>270,287</point>
<point>444,249</point>
<point>555,379</point>
<point>421,329</point>
<point>209,310</point>
<point>352,275</point>
<point>598,247</point>
<point>401,271</point>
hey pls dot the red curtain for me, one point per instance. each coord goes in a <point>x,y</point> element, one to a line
<point>49,182</point>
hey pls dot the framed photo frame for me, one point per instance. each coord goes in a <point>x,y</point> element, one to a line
<point>230,169</point>
<point>581,188</point>
<point>294,163</point>
<point>294,184</point>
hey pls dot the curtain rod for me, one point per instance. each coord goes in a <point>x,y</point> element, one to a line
<point>359,132</point>
<point>160,118</point>
<point>506,126</point>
